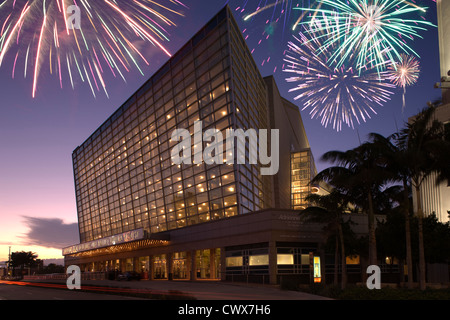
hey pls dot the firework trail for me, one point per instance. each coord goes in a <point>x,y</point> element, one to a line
<point>337,96</point>
<point>107,39</point>
<point>265,20</point>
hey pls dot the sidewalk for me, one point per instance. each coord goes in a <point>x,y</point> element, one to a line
<point>201,290</point>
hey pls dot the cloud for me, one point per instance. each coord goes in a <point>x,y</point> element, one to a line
<point>50,232</point>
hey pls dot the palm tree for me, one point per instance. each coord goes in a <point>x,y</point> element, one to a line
<point>361,174</point>
<point>395,159</point>
<point>329,209</point>
<point>425,151</point>
<point>23,260</point>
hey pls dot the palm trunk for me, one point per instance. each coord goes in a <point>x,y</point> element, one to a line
<point>408,236</point>
<point>343,259</point>
<point>372,238</point>
<point>336,263</point>
<point>422,270</point>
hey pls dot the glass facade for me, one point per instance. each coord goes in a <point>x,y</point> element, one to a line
<point>124,177</point>
<point>294,260</point>
<point>247,261</point>
<point>302,171</point>
<point>180,265</point>
<point>251,111</point>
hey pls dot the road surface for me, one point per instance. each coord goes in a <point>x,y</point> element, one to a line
<point>17,292</point>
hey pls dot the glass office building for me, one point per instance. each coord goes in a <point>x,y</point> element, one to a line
<point>124,176</point>
<point>302,171</point>
<point>139,211</point>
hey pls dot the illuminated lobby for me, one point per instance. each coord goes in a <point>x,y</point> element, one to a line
<point>137,211</point>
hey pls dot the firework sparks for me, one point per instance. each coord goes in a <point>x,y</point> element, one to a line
<point>110,37</point>
<point>404,73</point>
<point>335,95</point>
<point>378,30</point>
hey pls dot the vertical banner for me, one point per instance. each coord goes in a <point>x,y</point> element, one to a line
<point>317,271</point>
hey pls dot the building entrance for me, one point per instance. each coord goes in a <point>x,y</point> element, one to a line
<point>180,265</point>
<point>160,267</point>
<point>207,264</point>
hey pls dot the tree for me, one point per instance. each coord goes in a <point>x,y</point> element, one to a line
<point>425,152</point>
<point>436,240</point>
<point>361,174</point>
<point>395,161</point>
<point>329,210</point>
<point>23,260</point>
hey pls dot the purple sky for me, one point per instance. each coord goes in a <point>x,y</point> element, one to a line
<point>37,136</point>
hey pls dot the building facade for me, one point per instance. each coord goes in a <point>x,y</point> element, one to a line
<point>139,211</point>
<point>436,198</point>
<point>443,12</point>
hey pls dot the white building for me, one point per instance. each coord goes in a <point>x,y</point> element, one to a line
<point>443,7</point>
<point>436,198</point>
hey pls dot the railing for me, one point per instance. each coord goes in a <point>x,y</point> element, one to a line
<point>63,276</point>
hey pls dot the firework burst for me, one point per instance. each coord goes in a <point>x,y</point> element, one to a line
<point>108,38</point>
<point>335,95</point>
<point>404,73</point>
<point>378,30</point>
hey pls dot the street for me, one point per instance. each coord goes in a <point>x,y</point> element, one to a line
<point>16,292</point>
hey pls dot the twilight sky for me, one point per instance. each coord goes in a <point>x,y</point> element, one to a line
<point>37,136</point>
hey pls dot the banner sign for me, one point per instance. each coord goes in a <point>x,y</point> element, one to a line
<point>317,272</point>
<point>105,242</point>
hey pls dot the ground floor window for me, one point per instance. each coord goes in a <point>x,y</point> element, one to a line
<point>259,260</point>
<point>180,265</point>
<point>285,259</point>
<point>129,264</point>
<point>217,263</point>
<point>160,267</point>
<point>207,263</point>
<point>203,264</point>
<point>234,261</point>
<point>247,261</point>
<point>144,264</point>
<point>293,260</point>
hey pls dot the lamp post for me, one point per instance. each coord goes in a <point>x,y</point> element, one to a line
<point>9,260</point>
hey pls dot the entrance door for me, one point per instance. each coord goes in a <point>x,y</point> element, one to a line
<point>203,264</point>
<point>207,264</point>
<point>160,267</point>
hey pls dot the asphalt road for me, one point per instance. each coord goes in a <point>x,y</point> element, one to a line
<point>15,292</point>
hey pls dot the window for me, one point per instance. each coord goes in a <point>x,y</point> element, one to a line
<point>305,259</point>
<point>352,260</point>
<point>260,260</point>
<point>285,259</point>
<point>234,261</point>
